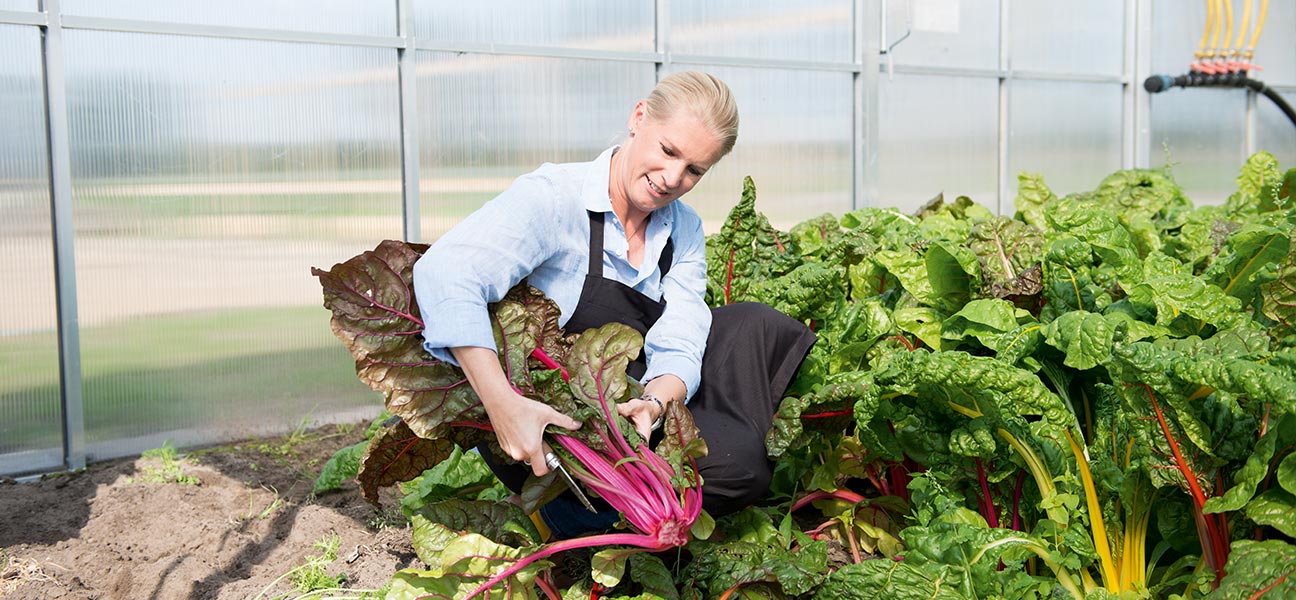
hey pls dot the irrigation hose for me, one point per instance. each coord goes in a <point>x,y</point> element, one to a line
<point>1160,83</point>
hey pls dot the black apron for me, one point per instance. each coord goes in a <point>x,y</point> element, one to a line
<point>752,352</point>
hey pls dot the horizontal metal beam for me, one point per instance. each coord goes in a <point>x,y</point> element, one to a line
<point>14,17</point>
<point>536,51</point>
<point>764,63</point>
<point>241,33</point>
<point>1006,74</point>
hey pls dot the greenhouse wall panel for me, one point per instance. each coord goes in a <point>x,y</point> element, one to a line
<point>813,31</point>
<point>943,33</point>
<point>209,176</point>
<point>938,136</point>
<point>1072,154</point>
<point>486,119</point>
<point>586,24</point>
<point>30,416</point>
<point>1274,131</point>
<point>1063,36</point>
<point>356,17</point>
<point>795,143</point>
<point>1200,132</point>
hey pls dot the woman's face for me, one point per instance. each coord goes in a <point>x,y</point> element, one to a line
<point>663,159</point>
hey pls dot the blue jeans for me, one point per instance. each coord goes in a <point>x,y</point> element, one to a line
<point>567,518</point>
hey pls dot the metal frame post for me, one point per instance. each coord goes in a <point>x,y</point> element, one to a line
<point>407,78</point>
<point>60,161</point>
<point>865,136</point>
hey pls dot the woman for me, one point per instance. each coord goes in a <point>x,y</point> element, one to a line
<point>608,241</point>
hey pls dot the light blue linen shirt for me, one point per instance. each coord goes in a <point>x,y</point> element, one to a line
<point>538,229</point>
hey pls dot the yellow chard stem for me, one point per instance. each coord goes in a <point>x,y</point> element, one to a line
<point>1111,577</point>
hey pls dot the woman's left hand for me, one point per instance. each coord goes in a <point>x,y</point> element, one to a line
<point>642,413</point>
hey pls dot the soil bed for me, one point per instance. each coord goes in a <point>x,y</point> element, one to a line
<point>111,532</point>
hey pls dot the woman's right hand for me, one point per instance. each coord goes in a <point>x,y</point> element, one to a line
<point>519,422</point>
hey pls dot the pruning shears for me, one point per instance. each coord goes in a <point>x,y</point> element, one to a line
<point>551,460</point>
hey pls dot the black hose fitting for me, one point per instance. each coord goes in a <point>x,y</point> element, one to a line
<point>1238,79</point>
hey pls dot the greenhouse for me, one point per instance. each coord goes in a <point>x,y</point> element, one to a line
<point>1025,271</point>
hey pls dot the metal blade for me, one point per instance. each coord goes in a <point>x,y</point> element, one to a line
<point>554,464</point>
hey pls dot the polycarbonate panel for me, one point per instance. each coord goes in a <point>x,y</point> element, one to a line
<point>486,119</point>
<point>18,5</point>
<point>359,17</point>
<point>938,135</point>
<point>30,418</point>
<point>1064,36</point>
<point>1276,50</point>
<point>815,30</point>
<point>1276,133</point>
<point>1073,153</point>
<point>1201,132</point>
<point>587,24</point>
<point>794,141</point>
<point>943,33</point>
<point>210,175</point>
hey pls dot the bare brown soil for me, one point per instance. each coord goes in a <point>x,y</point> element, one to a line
<point>106,533</point>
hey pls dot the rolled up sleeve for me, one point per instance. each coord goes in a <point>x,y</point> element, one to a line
<point>477,262</point>
<point>676,343</point>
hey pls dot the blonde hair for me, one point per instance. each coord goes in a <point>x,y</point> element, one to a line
<point>703,94</point>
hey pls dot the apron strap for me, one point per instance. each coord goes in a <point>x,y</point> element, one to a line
<point>596,248</point>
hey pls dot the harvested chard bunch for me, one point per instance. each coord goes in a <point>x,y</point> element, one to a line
<point>377,317</point>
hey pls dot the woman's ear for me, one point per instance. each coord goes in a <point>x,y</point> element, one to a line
<point>637,116</point>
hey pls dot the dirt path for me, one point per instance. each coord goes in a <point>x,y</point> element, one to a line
<point>107,534</point>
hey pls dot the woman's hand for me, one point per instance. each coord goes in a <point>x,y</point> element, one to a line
<point>643,413</point>
<point>519,422</point>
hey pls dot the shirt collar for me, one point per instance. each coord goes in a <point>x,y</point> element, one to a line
<point>595,193</point>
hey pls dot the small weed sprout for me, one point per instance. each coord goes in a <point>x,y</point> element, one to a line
<point>171,469</point>
<point>313,575</point>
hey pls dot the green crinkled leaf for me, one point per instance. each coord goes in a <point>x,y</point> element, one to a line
<point>1258,570</point>
<point>955,274</point>
<point>882,578</point>
<point>922,322</point>
<point>1246,479</point>
<point>1250,250</point>
<point>343,466</point>
<point>1278,297</point>
<point>1287,473</point>
<point>415,584</point>
<point>1257,184</point>
<point>652,574</point>
<point>986,320</point>
<point>1032,195</point>
<point>1014,346</point>
<point>462,475</point>
<point>810,291</point>
<point>1275,508</point>
<point>910,269</point>
<point>1142,374</point>
<point>1187,304</point>
<point>1101,230</point>
<point>973,439</point>
<point>436,525</point>
<point>1084,337</point>
<point>473,555</point>
<point>747,250</point>
<point>741,562</point>
<point>816,236</point>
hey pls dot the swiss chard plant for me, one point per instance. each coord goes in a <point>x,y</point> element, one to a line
<point>1094,397</point>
